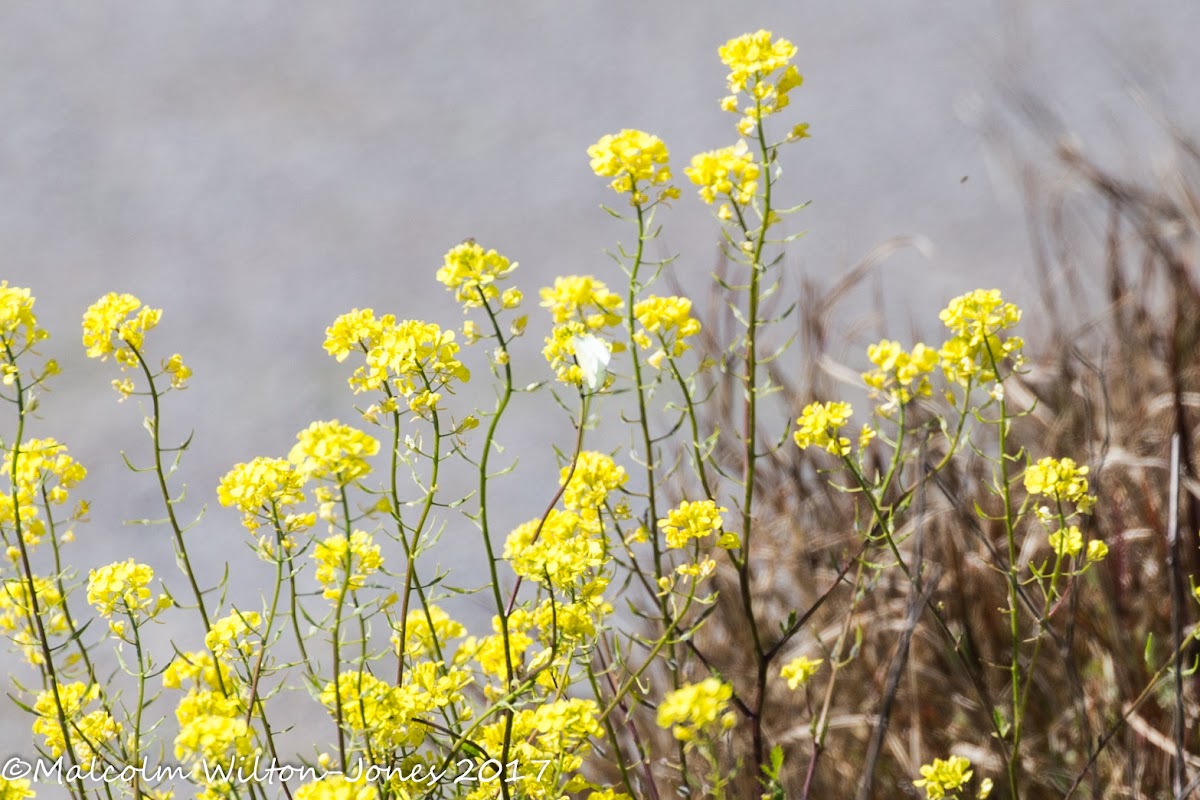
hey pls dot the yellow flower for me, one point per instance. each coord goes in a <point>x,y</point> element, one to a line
<point>897,369</point>
<point>333,450</point>
<point>108,328</point>
<point>977,348</point>
<point>753,55</point>
<point>1066,542</point>
<point>16,614</point>
<point>594,476</point>
<point>582,298</point>
<point>729,172</point>
<point>799,671</point>
<point>355,558</point>
<point>634,160</point>
<point>1060,479</point>
<point>691,520</point>
<point>179,372</point>
<point>472,273</point>
<point>263,487</point>
<point>1096,550</point>
<point>668,318</point>
<point>337,787</point>
<point>420,638</point>
<point>123,587</point>
<point>944,776</point>
<point>228,633</point>
<point>820,424</point>
<point>18,325</point>
<point>562,552</point>
<point>692,708</point>
<point>198,669</point>
<point>16,789</point>
<point>91,732</point>
<point>410,356</point>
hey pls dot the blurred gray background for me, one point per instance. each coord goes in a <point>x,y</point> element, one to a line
<point>256,168</point>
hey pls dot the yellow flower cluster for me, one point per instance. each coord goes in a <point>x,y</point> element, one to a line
<point>582,298</point>
<point>213,730</point>
<point>90,733</point>
<point>696,708</point>
<point>333,450</point>
<point>820,425</point>
<point>799,671</point>
<point>670,320</point>
<point>420,638</point>
<point>634,160</point>
<point>557,730</point>
<point>728,172</point>
<point>123,587</point>
<point>19,330</point>
<point>942,777</point>
<point>594,476</point>
<point>563,552</point>
<point>897,369</point>
<point>753,60</point>
<point>411,358</point>
<point>977,349</point>
<point>1061,480</point>
<point>16,614</point>
<point>581,306</point>
<point>263,489</point>
<point>44,470</point>
<point>695,520</point>
<point>198,669</point>
<point>472,273</point>
<point>345,563</point>
<point>227,634</point>
<point>116,325</point>
<point>15,789</point>
<point>386,713</point>
<point>338,787</point>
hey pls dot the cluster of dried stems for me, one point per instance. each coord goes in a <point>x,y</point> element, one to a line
<point>1113,377</point>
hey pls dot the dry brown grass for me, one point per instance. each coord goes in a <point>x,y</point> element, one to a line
<point>1110,380</point>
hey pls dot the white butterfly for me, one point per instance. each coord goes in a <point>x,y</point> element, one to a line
<point>592,355</point>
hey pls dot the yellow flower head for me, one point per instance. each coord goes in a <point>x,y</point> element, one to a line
<point>116,324</point>
<point>634,160</point>
<point>820,425</point>
<point>729,172</point>
<point>582,298</point>
<point>472,273</point>
<point>18,325</point>
<point>670,320</point>
<point>16,614</point>
<point>896,370</point>
<point>1066,542</point>
<point>420,638</point>
<point>977,347</point>
<point>562,550</point>
<point>15,789</point>
<point>228,633</point>
<point>123,587</point>
<point>91,732</point>
<point>941,776</point>
<point>691,520</point>
<point>262,488</point>
<point>594,476</point>
<point>337,787</point>
<point>1059,479</point>
<point>198,669</point>
<point>693,708</point>
<point>411,356</point>
<point>333,450</point>
<point>799,671</point>
<point>762,70</point>
<point>42,466</point>
<point>345,563</point>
